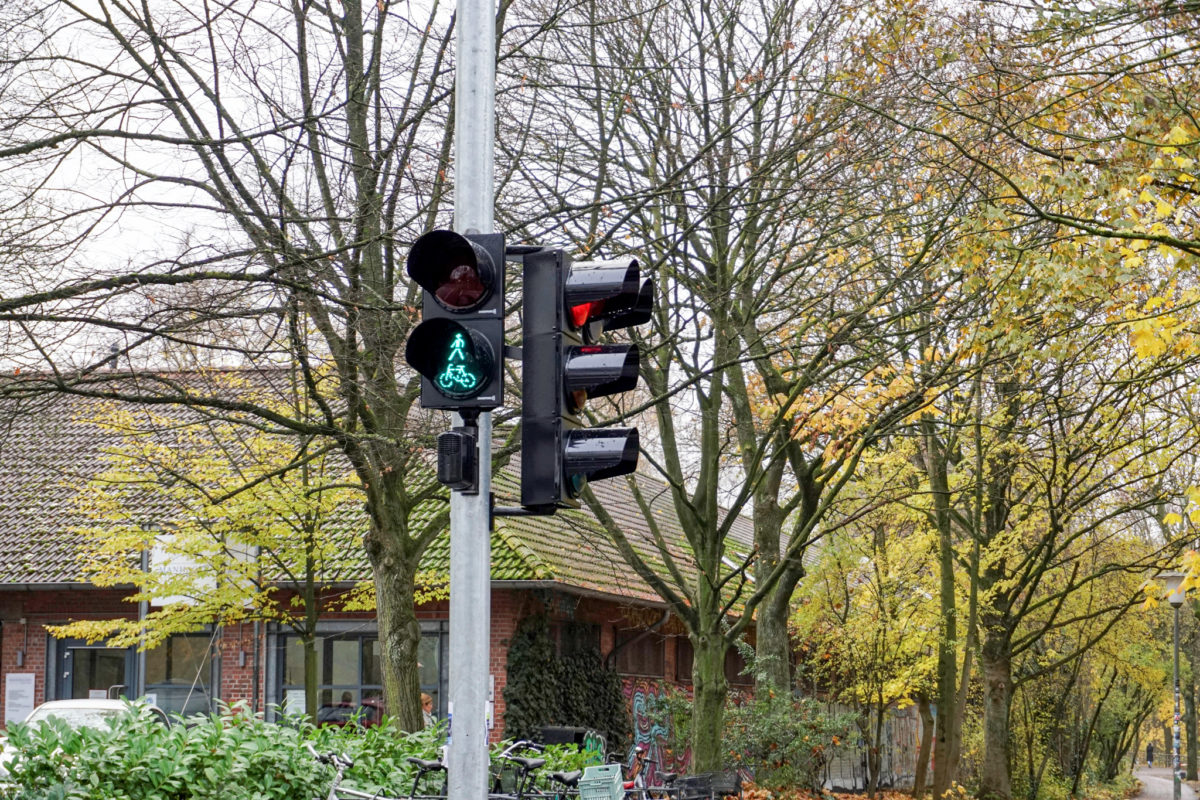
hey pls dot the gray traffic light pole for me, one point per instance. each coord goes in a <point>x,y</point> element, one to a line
<point>470,545</point>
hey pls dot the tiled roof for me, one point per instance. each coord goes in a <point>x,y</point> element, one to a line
<point>46,456</point>
<point>49,450</point>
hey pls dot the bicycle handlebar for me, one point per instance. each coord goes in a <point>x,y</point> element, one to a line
<point>339,760</point>
<point>522,744</point>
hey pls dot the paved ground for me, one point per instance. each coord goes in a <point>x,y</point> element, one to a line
<point>1156,785</point>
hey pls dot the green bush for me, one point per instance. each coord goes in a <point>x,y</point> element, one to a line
<point>575,689</point>
<point>782,740</point>
<point>785,740</point>
<point>233,756</point>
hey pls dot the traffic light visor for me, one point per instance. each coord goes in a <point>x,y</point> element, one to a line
<point>456,271</point>
<point>592,286</point>
<point>598,370</point>
<point>630,310</point>
<point>595,454</point>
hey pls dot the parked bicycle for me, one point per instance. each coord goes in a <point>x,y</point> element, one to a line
<point>341,763</point>
<point>517,784</point>
<point>635,777</point>
<point>562,784</point>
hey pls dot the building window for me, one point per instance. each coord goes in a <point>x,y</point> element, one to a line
<point>179,672</point>
<point>639,654</point>
<point>734,664</point>
<point>350,675</point>
<point>349,681</point>
<point>571,638</point>
<point>684,654</point>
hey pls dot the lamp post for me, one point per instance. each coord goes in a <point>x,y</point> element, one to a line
<point>1175,595</point>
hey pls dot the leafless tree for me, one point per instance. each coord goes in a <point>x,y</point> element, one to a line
<point>224,184</point>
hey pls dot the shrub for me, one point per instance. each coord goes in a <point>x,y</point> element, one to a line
<point>576,689</point>
<point>784,740</point>
<point>234,756</point>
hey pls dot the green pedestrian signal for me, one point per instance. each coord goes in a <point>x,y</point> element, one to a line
<point>461,375</point>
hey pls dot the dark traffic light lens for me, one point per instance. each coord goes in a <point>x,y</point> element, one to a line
<point>462,288</point>
<point>460,273</point>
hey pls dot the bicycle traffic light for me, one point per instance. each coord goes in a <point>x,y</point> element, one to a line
<point>459,346</point>
<point>567,308</point>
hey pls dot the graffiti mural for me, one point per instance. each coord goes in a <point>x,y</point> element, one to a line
<point>649,731</point>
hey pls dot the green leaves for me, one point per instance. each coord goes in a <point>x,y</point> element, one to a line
<point>233,756</point>
<point>575,689</point>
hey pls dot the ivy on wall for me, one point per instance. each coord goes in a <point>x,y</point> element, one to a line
<point>544,688</point>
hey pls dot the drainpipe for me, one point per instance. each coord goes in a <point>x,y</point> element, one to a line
<point>255,668</point>
<point>143,610</point>
<point>255,673</point>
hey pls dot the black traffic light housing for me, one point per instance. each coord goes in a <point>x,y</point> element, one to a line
<point>567,307</point>
<point>459,346</point>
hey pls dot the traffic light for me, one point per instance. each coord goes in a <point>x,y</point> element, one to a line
<point>459,346</point>
<point>567,307</point>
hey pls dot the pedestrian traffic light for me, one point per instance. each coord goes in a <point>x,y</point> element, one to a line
<point>567,308</point>
<point>459,346</point>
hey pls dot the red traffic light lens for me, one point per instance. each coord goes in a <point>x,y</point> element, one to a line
<point>461,287</point>
<point>580,314</point>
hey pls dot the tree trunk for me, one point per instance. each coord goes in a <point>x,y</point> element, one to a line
<point>399,631</point>
<point>995,782</point>
<point>310,677</point>
<point>1080,754</point>
<point>874,751</point>
<point>1188,689</point>
<point>925,747</point>
<point>946,733</point>
<point>772,648</point>
<point>708,701</point>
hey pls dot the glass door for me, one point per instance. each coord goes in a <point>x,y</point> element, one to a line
<point>90,671</point>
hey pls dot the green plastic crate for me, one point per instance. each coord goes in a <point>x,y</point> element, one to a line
<point>602,783</point>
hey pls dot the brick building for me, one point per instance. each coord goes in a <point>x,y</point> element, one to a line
<point>561,566</point>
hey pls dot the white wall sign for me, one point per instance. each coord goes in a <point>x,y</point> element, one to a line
<point>18,696</point>
<point>293,701</point>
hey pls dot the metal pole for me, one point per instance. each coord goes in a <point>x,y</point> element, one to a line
<point>470,546</point>
<point>1175,788</point>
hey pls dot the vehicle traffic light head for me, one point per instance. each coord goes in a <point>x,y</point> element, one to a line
<point>566,310</point>
<point>459,346</point>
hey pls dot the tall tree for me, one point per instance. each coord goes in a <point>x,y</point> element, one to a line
<point>235,182</point>
<point>232,524</point>
<point>704,137</point>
